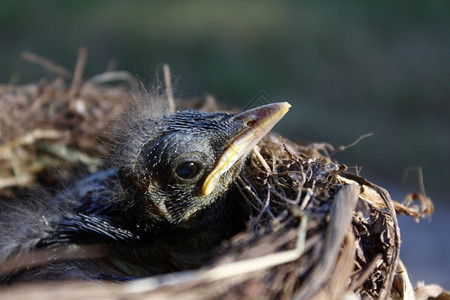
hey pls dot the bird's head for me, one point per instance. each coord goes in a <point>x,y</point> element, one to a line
<point>185,162</point>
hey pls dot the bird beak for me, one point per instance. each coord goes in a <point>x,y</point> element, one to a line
<point>259,121</point>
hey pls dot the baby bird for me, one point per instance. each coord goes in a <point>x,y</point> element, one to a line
<point>163,206</point>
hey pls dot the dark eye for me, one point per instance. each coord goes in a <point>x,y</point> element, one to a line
<point>187,170</point>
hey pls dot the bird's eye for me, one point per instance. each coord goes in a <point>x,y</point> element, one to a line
<point>187,170</point>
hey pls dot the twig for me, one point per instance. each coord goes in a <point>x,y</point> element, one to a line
<point>169,90</point>
<point>70,154</point>
<point>342,148</point>
<point>43,256</point>
<point>364,275</point>
<point>306,199</point>
<point>248,187</point>
<point>261,160</point>
<point>21,180</point>
<point>78,74</point>
<point>341,218</point>
<point>30,138</point>
<point>46,64</point>
<point>266,206</point>
<point>402,279</point>
<point>419,178</point>
<point>114,76</point>
<point>112,66</point>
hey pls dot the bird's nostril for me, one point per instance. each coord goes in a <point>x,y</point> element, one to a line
<point>251,123</point>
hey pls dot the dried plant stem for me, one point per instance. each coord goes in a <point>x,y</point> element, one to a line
<point>262,160</point>
<point>169,90</point>
<point>78,73</point>
<point>46,64</point>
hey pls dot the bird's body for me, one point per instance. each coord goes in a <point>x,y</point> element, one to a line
<point>165,204</point>
<point>111,245</point>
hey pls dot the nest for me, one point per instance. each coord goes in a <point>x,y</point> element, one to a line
<point>318,231</point>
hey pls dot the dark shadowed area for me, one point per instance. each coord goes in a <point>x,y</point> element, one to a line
<point>347,68</point>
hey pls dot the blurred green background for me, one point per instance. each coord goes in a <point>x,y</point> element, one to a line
<point>347,67</point>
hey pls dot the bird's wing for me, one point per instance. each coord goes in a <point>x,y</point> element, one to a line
<point>95,218</point>
<point>82,228</point>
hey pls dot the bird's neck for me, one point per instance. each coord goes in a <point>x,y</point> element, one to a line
<point>223,219</point>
